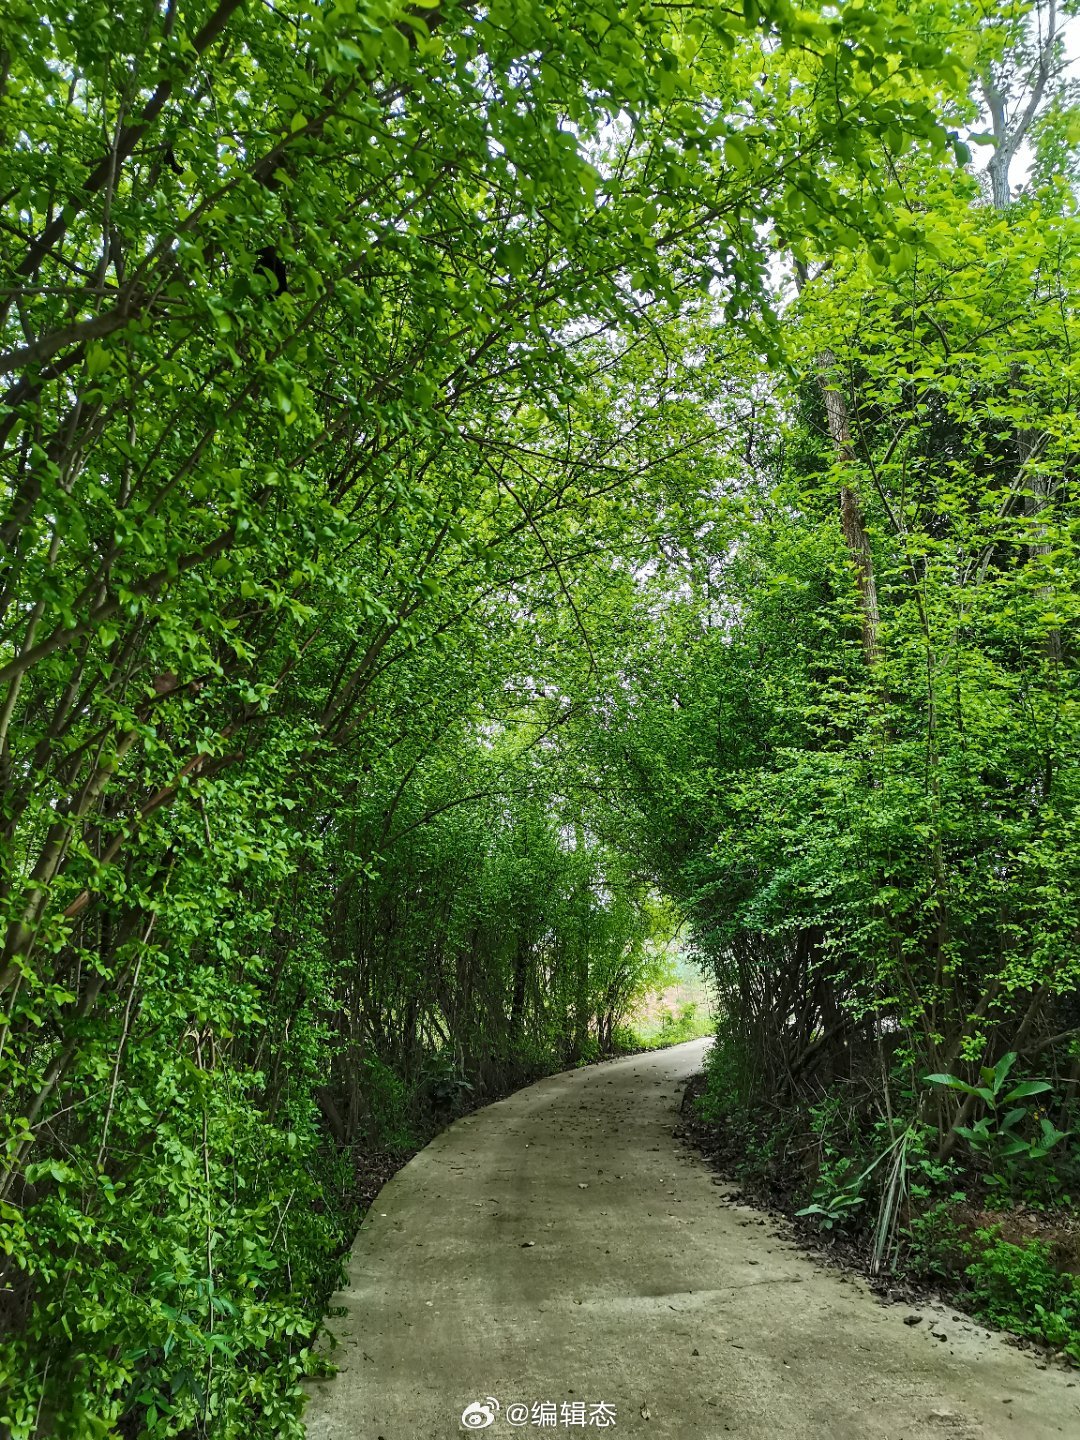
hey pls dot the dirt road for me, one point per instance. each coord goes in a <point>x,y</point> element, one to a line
<point>560,1254</point>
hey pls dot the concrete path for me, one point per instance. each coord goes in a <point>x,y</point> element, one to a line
<point>559,1248</point>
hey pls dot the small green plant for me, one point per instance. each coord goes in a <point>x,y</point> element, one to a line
<point>832,1210</point>
<point>442,1084</point>
<point>1019,1288</point>
<point>934,1242</point>
<point>999,1134</point>
<point>838,1191</point>
<point>838,1194</point>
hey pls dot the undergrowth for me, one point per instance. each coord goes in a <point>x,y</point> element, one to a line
<point>1001,1239</point>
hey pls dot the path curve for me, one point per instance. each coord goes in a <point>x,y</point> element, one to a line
<point>560,1247</point>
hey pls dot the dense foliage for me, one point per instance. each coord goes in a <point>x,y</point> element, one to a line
<point>852,737</point>
<point>420,551</point>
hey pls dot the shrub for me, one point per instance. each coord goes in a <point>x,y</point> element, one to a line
<point>1019,1288</point>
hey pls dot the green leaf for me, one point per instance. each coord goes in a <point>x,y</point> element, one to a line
<point>98,359</point>
<point>1025,1088</point>
<point>736,152</point>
